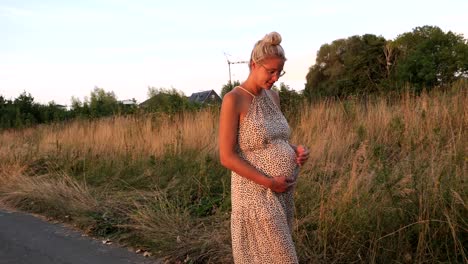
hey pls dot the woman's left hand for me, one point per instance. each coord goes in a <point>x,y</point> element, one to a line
<point>302,155</point>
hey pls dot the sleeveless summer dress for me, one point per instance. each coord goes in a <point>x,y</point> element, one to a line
<point>261,219</point>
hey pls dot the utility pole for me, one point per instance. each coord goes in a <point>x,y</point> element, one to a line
<point>232,62</point>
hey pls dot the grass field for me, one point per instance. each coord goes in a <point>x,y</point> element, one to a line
<point>386,181</point>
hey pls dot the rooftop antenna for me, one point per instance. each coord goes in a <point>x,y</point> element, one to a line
<point>232,62</point>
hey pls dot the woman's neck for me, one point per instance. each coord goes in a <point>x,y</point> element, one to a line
<point>252,87</point>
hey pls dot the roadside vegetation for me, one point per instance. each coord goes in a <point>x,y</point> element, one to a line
<point>386,123</point>
<point>386,180</point>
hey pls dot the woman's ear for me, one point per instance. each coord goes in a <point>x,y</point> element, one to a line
<point>252,65</point>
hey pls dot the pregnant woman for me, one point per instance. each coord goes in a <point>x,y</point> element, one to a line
<point>254,145</point>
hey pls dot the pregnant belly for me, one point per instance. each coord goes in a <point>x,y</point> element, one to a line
<point>276,159</point>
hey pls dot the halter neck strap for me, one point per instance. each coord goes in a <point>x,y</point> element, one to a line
<point>247,91</point>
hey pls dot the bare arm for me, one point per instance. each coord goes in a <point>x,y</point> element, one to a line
<point>228,126</point>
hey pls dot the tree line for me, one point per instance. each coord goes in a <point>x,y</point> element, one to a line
<point>23,111</point>
<point>425,58</point>
<point>369,65</point>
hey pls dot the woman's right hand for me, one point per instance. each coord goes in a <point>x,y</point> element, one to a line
<point>281,184</point>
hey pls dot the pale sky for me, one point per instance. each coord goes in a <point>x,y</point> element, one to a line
<point>56,49</point>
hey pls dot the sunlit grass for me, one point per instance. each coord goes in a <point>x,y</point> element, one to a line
<point>386,180</point>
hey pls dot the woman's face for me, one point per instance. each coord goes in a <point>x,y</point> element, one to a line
<point>268,71</point>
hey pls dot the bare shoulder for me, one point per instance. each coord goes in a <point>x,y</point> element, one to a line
<point>232,97</point>
<point>231,102</point>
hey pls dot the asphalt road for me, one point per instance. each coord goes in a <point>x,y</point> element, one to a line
<point>25,239</point>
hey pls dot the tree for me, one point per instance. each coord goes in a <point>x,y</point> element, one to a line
<point>80,109</point>
<point>431,57</point>
<point>391,54</point>
<point>165,100</point>
<point>23,111</point>
<point>102,103</point>
<point>355,65</point>
<point>99,104</point>
<point>7,113</point>
<point>290,100</point>
<point>27,112</point>
<point>361,65</point>
<point>52,113</point>
<point>228,87</point>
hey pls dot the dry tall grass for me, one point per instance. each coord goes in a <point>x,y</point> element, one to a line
<point>390,170</point>
<point>58,195</point>
<point>385,180</point>
<point>115,136</point>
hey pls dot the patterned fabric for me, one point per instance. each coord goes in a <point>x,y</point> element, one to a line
<point>261,219</point>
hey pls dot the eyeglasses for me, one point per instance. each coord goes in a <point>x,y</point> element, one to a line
<point>273,72</point>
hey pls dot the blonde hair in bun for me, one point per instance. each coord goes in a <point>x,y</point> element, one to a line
<point>268,47</point>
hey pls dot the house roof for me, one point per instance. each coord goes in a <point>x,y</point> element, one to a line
<point>128,102</point>
<point>201,97</point>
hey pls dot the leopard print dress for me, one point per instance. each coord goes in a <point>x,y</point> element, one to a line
<point>261,219</point>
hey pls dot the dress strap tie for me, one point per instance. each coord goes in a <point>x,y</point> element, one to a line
<point>246,91</point>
